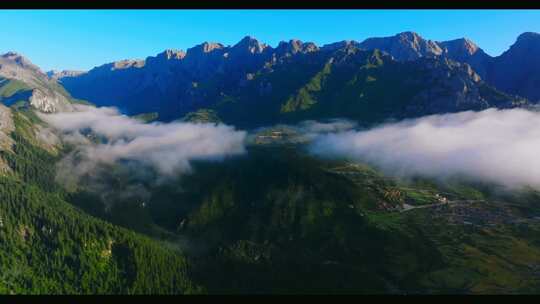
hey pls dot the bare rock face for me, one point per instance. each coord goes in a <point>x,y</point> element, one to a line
<point>340,45</point>
<point>295,46</point>
<point>452,86</point>
<point>6,142</point>
<point>124,64</point>
<point>464,50</point>
<point>516,71</point>
<point>65,73</point>
<point>404,46</point>
<point>409,46</point>
<point>15,66</point>
<point>460,48</point>
<point>172,54</point>
<point>16,60</point>
<point>457,89</point>
<point>6,127</point>
<point>47,95</point>
<point>48,101</point>
<point>249,44</point>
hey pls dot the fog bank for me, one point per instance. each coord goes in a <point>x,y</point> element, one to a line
<point>499,146</point>
<point>168,148</point>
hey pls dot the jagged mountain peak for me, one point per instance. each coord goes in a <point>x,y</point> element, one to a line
<point>295,45</point>
<point>205,47</point>
<point>461,45</point>
<point>54,74</point>
<point>465,50</point>
<point>172,54</point>
<point>251,44</point>
<point>340,44</point>
<point>128,63</point>
<point>19,60</point>
<point>404,46</point>
<point>409,35</point>
<point>470,45</point>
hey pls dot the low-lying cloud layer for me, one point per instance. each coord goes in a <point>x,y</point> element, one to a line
<point>317,127</point>
<point>499,146</point>
<point>167,147</point>
<point>307,130</point>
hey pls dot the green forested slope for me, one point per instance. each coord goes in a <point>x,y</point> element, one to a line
<point>276,220</point>
<point>49,246</point>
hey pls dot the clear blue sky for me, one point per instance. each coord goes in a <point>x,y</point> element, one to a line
<point>82,39</point>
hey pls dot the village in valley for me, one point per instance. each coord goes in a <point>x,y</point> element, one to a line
<point>440,206</point>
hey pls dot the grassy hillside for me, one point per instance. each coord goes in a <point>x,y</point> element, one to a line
<point>8,87</point>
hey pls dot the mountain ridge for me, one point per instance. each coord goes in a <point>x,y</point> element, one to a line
<point>172,80</point>
<point>175,82</point>
<point>21,80</point>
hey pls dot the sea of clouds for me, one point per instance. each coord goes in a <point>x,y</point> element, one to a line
<point>167,147</point>
<point>500,146</point>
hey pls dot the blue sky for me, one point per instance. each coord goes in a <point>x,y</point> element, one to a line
<point>82,39</point>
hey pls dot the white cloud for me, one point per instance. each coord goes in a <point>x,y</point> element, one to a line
<point>495,145</point>
<point>168,147</point>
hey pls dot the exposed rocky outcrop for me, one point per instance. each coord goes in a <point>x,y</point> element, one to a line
<point>6,142</point>
<point>6,127</point>
<point>464,50</point>
<point>53,74</point>
<point>49,101</point>
<point>451,86</point>
<point>295,46</point>
<point>339,45</point>
<point>404,46</point>
<point>46,95</point>
<point>516,71</point>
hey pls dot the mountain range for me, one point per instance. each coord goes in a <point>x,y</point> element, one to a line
<point>514,72</point>
<point>174,83</point>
